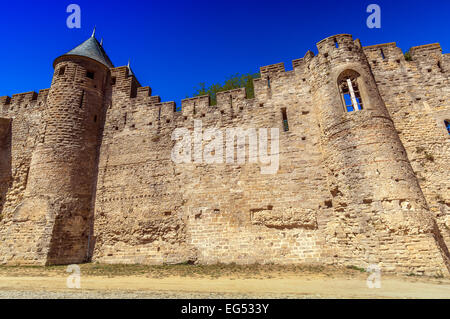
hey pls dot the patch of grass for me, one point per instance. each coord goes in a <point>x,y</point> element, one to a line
<point>356,268</point>
<point>438,276</point>
<point>186,269</point>
<point>411,274</point>
<point>408,56</point>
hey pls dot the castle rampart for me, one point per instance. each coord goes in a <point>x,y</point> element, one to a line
<point>361,180</point>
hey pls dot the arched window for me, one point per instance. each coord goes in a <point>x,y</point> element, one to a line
<point>447,125</point>
<point>351,96</point>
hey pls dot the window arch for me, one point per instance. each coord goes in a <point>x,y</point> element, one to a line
<point>447,125</point>
<point>350,92</point>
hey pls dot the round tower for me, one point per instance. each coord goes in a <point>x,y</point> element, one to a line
<point>375,192</point>
<point>64,166</point>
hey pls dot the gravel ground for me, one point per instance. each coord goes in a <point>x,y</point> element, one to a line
<point>20,294</point>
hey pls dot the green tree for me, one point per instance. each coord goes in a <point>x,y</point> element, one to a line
<point>233,82</point>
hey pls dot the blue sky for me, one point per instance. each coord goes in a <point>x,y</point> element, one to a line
<point>174,45</point>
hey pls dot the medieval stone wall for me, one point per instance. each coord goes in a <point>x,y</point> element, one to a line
<point>23,130</point>
<point>352,188</point>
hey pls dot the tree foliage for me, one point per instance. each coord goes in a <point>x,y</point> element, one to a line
<point>408,56</point>
<point>233,82</point>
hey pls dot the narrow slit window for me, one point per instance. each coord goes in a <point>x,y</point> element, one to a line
<point>351,94</point>
<point>82,100</point>
<point>447,125</point>
<point>285,120</point>
<point>113,81</point>
<point>268,82</point>
<point>336,44</point>
<point>62,70</point>
<point>382,54</point>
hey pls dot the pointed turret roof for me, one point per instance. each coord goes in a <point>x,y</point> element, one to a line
<point>91,48</point>
<point>130,72</point>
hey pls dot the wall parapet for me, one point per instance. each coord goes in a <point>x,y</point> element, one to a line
<point>42,96</point>
<point>378,46</point>
<point>143,92</point>
<point>273,69</point>
<point>338,41</point>
<point>195,105</point>
<point>123,81</point>
<point>301,64</point>
<point>22,98</point>
<point>426,51</point>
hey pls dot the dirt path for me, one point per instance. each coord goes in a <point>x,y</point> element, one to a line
<point>213,282</point>
<point>178,287</point>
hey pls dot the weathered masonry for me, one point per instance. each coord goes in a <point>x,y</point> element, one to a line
<point>86,171</point>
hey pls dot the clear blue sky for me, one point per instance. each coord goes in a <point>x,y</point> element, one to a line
<point>174,45</point>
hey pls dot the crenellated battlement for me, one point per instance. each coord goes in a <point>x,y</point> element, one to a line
<point>168,109</point>
<point>123,81</point>
<point>195,106</point>
<point>143,92</point>
<point>120,72</point>
<point>272,70</point>
<point>42,96</point>
<point>427,50</point>
<point>24,98</point>
<point>380,46</point>
<point>339,41</point>
<point>223,98</point>
<point>229,103</point>
<point>384,53</point>
<point>301,65</point>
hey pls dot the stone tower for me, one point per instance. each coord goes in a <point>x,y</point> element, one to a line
<point>375,192</point>
<point>62,175</point>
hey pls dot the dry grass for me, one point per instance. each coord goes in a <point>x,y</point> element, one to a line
<point>184,270</point>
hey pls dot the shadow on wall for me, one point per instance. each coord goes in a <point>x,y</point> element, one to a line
<point>92,239</point>
<point>5,160</point>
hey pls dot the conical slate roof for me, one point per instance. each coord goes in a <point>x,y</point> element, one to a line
<point>130,72</point>
<point>91,48</point>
